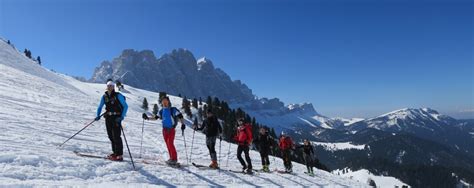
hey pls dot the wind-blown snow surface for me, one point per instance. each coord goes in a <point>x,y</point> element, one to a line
<point>364,176</point>
<point>41,109</point>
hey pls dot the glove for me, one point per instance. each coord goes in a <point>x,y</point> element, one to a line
<point>183,126</point>
<point>145,117</point>
<point>97,118</point>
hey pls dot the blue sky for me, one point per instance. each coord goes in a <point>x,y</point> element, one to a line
<point>350,59</point>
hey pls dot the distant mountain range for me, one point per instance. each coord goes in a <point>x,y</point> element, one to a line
<point>425,123</point>
<point>179,72</point>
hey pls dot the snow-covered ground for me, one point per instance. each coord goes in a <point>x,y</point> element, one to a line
<point>364,176</point>
<point>40,109</point>
<point>339,146</point>
<point>348,122</point>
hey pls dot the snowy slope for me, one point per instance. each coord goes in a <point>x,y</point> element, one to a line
<point>41,109</point>
<point>409,117</point>
<point>339,146</point>
<point>364,176</point>
<point>348,122</point>
<point>300,124</point>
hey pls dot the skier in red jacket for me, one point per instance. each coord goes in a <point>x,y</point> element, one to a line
<point>286,145</point>
<point>244,139</point>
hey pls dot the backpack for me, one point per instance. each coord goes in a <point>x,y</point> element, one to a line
<point>286,143</point>
<point>107,98</point>
<point>124,100</point>
<point>244,134</point>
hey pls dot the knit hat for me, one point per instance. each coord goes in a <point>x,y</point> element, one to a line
<point>110,83</point>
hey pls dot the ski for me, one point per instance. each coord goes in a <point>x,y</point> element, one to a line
<point>98,157</point>
<point>199,166</point>
<point>309,174</point>
<point>242,172</point>
<point>152,162</point>
<point>283,172</point>
<point>144,161</point>
<point>262,171</point>
<point>90,155</point>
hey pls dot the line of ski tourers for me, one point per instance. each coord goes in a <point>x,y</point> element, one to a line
<point>116,109</point>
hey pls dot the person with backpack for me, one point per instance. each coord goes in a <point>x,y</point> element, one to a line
<point>286,145</point>
<point>308,154</point>
<point>169,116</point>
<point>116,108</point>
<point>265,144</point>
<point>244,140</point>
<point>212,128</point>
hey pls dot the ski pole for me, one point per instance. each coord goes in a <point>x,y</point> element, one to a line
<point>185,150</point>
<point>273,153</point>
<point>274,156</point>
<point>220,143</point>
<point>192,143</point>
<point>80,130</point>
<point>228,153</point>
<point>141,142</point>
<point>125,138</point>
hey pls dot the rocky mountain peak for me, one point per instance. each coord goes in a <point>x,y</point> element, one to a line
<point>302,108</point>
<point>205,64</point>
<point>176,72</point>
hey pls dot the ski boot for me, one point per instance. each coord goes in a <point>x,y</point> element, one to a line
<point>248,171</point>
<point>111,156</point>
<point>116,158</point>
<point>171,162</point>
<point>214,165</point>
<point>244,168</point>
<point>266,168</point>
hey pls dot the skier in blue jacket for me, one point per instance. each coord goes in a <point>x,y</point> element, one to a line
<point>169,116</point>
<point>116,109</point>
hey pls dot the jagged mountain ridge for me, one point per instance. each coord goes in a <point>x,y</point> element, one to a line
<point>177,72</point>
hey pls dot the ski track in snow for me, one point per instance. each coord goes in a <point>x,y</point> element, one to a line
<point>41,109</point>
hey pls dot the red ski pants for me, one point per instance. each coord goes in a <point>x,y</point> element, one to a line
<point>168,135</point>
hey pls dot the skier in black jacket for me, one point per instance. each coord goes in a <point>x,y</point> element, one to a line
<point>265,144</point>
<point>116,107</point>
<point>212,128</point>
<point>308,154</point>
